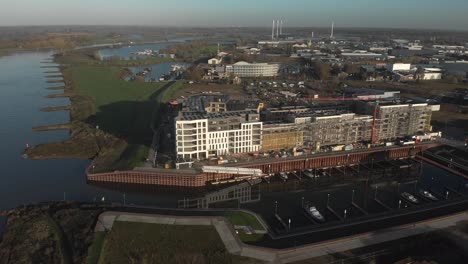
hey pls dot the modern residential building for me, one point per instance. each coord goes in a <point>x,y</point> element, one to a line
<point>395,120</point>
<point>203,135</point>
<point>215,131</point>
<point>245,69</point>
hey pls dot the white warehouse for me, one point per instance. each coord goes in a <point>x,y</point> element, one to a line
<point>245,69</point>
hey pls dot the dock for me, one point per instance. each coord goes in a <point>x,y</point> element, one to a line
<point>334,213</point>
<point>359,208</point>
<point>280,220</point>
<point>382,204</point>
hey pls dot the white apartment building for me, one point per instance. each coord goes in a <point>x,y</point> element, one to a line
<point>245,69</point>
<point>199,136</point>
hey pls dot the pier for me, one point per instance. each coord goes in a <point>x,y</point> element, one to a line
<point>56,88</point>
<point>56,108</point>
<point>52,127</point>
<point>63,95</point>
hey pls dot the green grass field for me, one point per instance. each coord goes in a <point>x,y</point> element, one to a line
<point>152,243</point>
<point>94,251</point>
<point>169,94</point>
<point>243,219</point>
<point>121,108</point>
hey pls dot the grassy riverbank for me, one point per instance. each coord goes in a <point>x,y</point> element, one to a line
<point>110,118</point>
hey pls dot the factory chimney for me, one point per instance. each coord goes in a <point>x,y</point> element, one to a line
<point>273,31</point>
<point>277,28</point>
<point>332,29</point>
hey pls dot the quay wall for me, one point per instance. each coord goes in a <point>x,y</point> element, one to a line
<point>176,178</point>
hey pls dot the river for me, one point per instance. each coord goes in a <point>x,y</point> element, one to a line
<point>23,90</point>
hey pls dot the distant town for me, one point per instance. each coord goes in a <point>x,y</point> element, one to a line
<point>274,145</point>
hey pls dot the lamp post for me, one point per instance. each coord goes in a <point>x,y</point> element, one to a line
<point>328,200</point>
<point>352,197</point>
<point>399,204</point>
<point>276,207</point>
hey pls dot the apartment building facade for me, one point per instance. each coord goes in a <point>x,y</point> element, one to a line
<point>200,136</point>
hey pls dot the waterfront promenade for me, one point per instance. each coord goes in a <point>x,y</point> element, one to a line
<point>289,255</point>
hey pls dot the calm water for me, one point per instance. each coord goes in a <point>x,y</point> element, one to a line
<point>126,52</point>
<point>22,93</point>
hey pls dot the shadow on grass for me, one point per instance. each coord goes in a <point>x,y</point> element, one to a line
<point>132,120</point>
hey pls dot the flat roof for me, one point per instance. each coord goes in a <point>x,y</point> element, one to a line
<point>189,116</point>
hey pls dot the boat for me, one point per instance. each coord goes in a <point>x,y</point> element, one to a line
<point>315,214</point>
<point>176,67</point>
<point>428,195</point>
<point>283,176</point>
<point>410,198</point>
<point>309,173</point>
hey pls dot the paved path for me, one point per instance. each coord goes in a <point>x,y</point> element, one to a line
<point>235,246</point>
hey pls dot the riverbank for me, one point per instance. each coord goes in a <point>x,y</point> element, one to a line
<point>49,233</point>
<point>110,119</point>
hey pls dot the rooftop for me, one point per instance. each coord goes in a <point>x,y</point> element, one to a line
<point>188,116</point>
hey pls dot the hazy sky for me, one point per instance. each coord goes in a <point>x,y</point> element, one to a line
<point>436,14</point>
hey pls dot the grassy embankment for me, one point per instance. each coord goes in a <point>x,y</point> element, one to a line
<point>110,117</point>
<point>94,251</point>
<point>123,109</point>
<point>153,243</point>
<point>239,218</point>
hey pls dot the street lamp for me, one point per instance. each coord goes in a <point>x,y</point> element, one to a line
<point>276,207</point>
<point>399,204</point>
<point>352,197</point>
<point>345,211</point>
<point>328,199</point>
<point>289,223</point>
<point>446,195</point>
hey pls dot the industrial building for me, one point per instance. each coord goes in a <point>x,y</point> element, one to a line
<point>245,69</point>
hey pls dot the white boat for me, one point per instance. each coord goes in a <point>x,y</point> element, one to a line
<point>410,198</point>
<point>315,214</point>
<point>283,176</point>
<point>310,174</point>
<point>428,195</point>
<point>176,67</point>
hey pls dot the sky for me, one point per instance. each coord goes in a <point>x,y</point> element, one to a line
<point>430,14</point>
